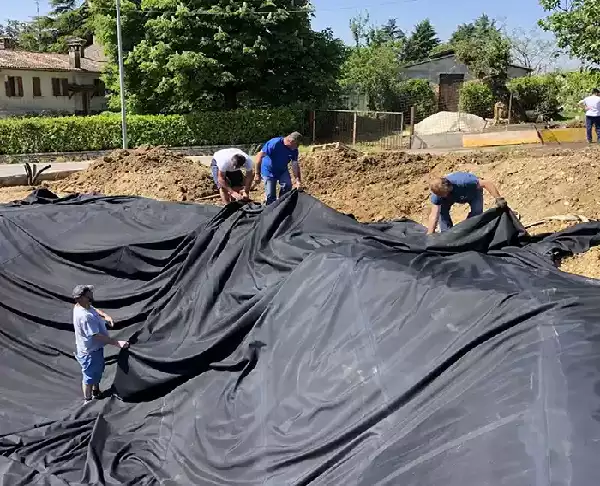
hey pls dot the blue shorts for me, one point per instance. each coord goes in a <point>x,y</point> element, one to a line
<point>92,366</point>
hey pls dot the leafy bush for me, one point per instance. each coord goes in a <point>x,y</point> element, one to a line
<point>575,86</point>
<point>417,93</point>
<point>536,93</point>
<point>476,98</point>
<point>74,134</point>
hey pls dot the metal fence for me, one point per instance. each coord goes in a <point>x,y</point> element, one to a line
<point>385,130</point>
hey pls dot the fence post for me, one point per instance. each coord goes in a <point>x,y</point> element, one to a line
<point>413,116</point>
<point>401,130</point>
<point>354,129</point>
<point>314,126</point>
<point>509,110</point>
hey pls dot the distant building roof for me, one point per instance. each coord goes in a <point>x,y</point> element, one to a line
<point>450,53</point>
<point>93,60</point>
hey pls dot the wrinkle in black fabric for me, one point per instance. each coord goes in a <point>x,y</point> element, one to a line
<point>291,344</point>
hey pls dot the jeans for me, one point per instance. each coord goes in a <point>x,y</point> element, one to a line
<point>445,219</point>
<point>285,185</point>
<point>592,121</point>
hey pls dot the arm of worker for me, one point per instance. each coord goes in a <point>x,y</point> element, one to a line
<point>490,187</point>
<point>102,338</point>
<point>106,317</point>
<point>433,219</point>
<point>248,183</point>
<point>259,158</point>
<point>226,187</point>
<point>297,174</point>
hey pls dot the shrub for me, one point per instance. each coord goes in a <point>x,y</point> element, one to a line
<point>574,87</point>
<point>476,98</point>
<point>100,132</point>
<point>536,93</point>
<point>417,93</point>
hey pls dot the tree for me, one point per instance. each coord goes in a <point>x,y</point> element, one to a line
<point>376,71</point>
<point>49,33</point>
<point>531,50</point>
<point>421,42</point>
<point>186,55</point>
<point>359,26</point>
<point>486,51</point>
<point>481,27</point>
<point>576,27</point>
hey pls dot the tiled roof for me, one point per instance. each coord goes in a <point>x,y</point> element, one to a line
<point>46,61</point>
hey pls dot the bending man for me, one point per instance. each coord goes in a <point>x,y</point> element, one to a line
<point>458,188</point>
<point>226,166</point>
<point>272,164</point>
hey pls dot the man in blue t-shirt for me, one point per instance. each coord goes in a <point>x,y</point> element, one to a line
<point>458,188</point>
<point>272,164</point>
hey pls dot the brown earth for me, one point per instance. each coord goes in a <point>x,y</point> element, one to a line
<point>150,172</point>
<point>379,186</point>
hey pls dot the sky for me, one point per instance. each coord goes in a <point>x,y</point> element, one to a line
<point>336,14</point>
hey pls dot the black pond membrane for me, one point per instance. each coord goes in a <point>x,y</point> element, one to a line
<point>293,345</point>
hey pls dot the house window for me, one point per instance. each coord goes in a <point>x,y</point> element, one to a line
<point>60,87</point>
<point>13,85</point>
<point>99,88</point>
<point>37,87</point>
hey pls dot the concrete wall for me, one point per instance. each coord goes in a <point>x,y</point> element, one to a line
<point>46,102</point>
<point>449,65</point>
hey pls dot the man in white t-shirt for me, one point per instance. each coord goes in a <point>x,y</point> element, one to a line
<point>591,104</point>
<point>226,166</point>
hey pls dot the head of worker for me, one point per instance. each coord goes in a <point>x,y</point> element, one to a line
<point>83,295</point>
<point>440,186</point>
<point>292,140</point>
<point>596,92</point>
<point>238,161</point>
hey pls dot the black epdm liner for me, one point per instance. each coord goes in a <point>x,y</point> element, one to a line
<point>293,345</point>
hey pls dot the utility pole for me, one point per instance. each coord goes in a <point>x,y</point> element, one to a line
<point>39,32</point>
<point>121,76</point>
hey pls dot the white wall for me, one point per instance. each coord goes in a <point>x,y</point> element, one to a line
<point>46,102</point>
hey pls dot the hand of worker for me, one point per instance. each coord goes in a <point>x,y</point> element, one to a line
<point>237,196</point>
<point>501,203</point>
<point>109,321</point>
<point>244,194</point>
<point>298,186</point>
<point>123,344</point>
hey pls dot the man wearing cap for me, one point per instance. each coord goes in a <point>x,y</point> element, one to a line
<point>90,338</point>
<point>458,188</point>
<point>272,164</point>
<point>226,166</point>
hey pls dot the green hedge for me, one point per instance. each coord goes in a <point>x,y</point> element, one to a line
<point>417,93</point>
<point>539,93</point>
<point>476,98</point>
<point>574,87</point>
<point>101,132</point>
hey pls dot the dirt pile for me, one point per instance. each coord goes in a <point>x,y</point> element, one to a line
<point>150,172</point>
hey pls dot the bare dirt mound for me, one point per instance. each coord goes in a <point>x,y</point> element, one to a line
<point>150,172</point>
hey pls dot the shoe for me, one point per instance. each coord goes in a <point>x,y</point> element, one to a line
<point>96,394</point>
<point>87,400</point>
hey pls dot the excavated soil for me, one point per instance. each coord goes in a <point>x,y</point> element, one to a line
<point>372,187</point>
<point>150,172</point>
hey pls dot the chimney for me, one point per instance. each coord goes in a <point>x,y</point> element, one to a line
<point>75,52</point>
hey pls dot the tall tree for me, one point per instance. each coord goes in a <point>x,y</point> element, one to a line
<point>359,27</point>
<point>575,25</point>
<point>533,51</point>
<point>49,33</point>
<point>389,32</point>
<point>480,27</point>
<point>374,70</point>
<point>186,55</point>
<point>486,51</point>
<point>421,42</point>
